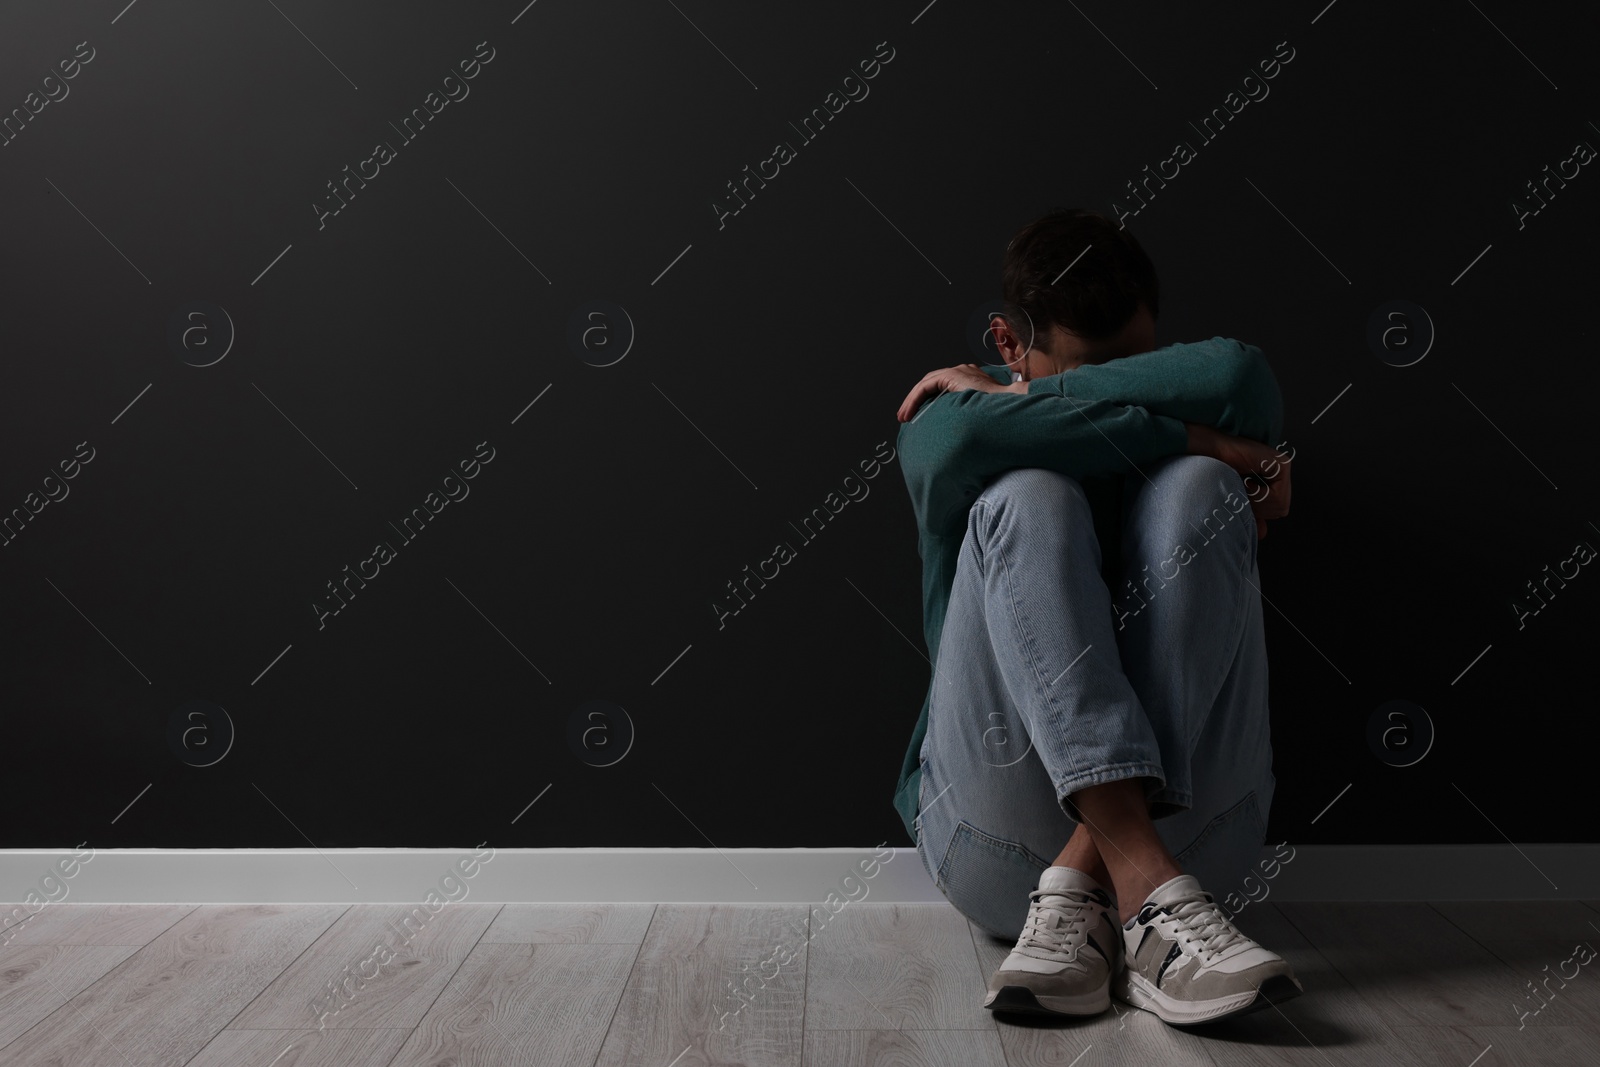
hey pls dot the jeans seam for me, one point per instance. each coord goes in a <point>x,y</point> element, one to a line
<point>1176,797</point>
<point>1030,651</point>
<point>1240,611</point>
<point>1244,586</point>
<point>1211,826</point>
<point>1113,773</point>
<point>999,843</point>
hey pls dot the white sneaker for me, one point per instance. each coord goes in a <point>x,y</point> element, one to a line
<point>1188,964</point>
<point>1070,946</point>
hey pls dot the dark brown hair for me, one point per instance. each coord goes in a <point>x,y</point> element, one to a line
<point>1097,297</point>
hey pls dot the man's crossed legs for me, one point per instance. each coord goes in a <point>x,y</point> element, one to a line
<point>1075,747</point>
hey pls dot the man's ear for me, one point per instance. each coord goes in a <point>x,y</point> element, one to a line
<point>998,332</point>
<point>1008,346</point>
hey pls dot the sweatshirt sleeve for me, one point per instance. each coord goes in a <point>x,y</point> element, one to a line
<point>960,441</point>
<point>1221,382</point>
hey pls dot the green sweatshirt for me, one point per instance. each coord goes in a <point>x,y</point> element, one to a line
<point>1095,423</point>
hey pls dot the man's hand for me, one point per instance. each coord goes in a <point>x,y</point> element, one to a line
<point>953,379</point>
<point>1265,469</point>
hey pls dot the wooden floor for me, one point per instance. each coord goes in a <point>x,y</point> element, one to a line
<point>644,985</point>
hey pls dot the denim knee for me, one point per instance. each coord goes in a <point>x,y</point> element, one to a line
<point>1042,500</point>
<point>1200,495</point>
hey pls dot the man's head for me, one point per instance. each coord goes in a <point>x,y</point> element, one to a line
<point>1077,290</point>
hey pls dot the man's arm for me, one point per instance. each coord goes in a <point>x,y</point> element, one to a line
<point>1221,383</point>
<point>960,441</point>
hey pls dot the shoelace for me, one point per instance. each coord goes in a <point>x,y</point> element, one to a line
<point>1051,927</point>
<point>1202,921</point>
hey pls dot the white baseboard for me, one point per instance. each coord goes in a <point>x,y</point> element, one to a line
<point>733,875</point>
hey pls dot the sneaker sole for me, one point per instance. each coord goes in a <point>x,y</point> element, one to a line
<point>1020,1000</point>
<point>1136,990</point>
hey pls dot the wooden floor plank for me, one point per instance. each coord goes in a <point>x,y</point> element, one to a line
<point>1544,942</point>
<point>35,980</point>
<point>570,924</point>
<point>1559,922</point>
<point>895,967</point>
<point>300,1048</point>
<point>523,1004</point>
<point>96,924</point>
<point>680,989</point>
<point>1329,1023</point>
<point>1121,1037</point>
<point>886,984</point>
<point>1500,1046</point>
<point>421,951</point>
<point>1411,966</point>
<point>903,1048</point>
<point>162,1004</point>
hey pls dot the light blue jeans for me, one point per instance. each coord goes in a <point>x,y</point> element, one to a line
<point>1048,681</point>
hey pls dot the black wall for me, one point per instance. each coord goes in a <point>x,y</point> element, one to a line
<point>375,349</point>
